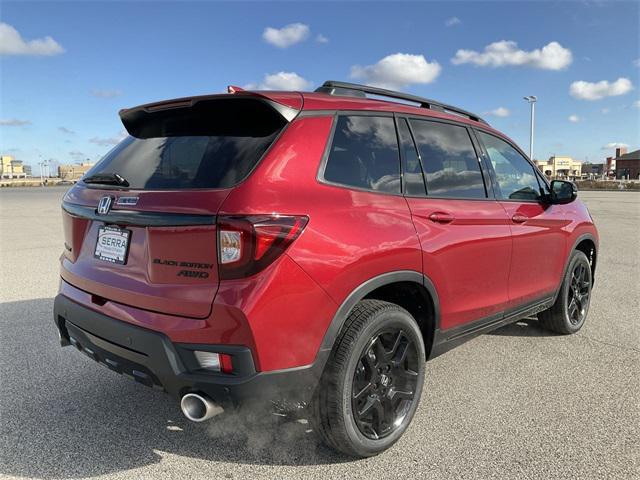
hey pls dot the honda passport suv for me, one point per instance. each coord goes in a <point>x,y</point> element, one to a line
<point>315,248</point>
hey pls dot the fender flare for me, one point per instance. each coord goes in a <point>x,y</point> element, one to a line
<point>584,236</point>
<point>362,291</point>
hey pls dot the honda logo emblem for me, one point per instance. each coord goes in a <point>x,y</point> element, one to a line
<point>104,205</point>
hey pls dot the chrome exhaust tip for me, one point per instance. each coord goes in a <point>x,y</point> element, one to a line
<point>199,408</point>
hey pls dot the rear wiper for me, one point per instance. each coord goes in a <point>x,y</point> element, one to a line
<point>107,179</point>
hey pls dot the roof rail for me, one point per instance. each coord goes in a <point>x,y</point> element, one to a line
<point>356,90</point>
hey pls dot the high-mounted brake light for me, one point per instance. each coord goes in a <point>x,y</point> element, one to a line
<point>249,244</point>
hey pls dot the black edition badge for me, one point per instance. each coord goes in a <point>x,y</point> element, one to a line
<point>186,273</point>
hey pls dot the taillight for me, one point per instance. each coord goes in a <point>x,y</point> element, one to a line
<point>250,243</point>
<point>214,362</point>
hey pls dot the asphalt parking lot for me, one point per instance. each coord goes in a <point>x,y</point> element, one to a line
<point>518,403</point>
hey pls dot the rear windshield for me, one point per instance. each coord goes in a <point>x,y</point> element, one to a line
<point>183,162</point>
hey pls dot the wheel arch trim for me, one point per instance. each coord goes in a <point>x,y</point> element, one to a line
<point>576,242</point>
<point>360,292</point>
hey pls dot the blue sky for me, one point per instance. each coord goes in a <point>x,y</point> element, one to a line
<point>60,96</point>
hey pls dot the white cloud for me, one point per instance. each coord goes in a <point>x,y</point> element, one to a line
<point>102,93</point>
<point>499,112</point>
<point>552,56</point>
<point>104,142</point>
<point>281,81</point>
<point>636,104</point>
<point>13,122</point>
<point>397,71</point>
<point>12,43</point>
<point>636,62</point>
<point>612,145</point>
<point>453,21</point>
<point>320,38</point>
<point>604,111</point>
<point>574,118</point>
<point>595,91</point>
<point>286,36</point>
<point>109,141</point>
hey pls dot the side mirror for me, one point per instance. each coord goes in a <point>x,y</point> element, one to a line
<point>563,192</point>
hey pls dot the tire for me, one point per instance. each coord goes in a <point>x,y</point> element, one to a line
<point>387,385</point>
<point>569,312</point>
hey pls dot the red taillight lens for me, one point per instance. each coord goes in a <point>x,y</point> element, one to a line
<point>248,244</point>
<point>214,362</point>
<point>226,364</point>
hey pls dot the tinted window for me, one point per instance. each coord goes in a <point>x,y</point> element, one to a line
<point>364,154</point>
<point>449,160</point>
<point>182,162</point>
<point>412,178</point>
<point>543,184</point>
<point>515,175</point>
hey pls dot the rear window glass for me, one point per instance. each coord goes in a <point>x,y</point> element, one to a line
<point>184,162</point>
<point>211,144</point>
<point>364,154</point>
<point>449,160</point>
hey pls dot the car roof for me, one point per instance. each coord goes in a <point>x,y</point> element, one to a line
<point>320,101</point>
<point>325,102</point>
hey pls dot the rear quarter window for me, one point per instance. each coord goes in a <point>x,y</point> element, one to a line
<point>364,154</point>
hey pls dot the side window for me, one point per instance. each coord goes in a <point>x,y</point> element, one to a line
<point>365,154</point>
<point>449,160</point>
<point>515,175</point>
<point>412,177</point>
<point>543,184</point>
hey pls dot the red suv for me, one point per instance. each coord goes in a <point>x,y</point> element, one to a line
<point>316,248</point>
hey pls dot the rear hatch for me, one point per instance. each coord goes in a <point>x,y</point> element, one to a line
<point>140,228</point>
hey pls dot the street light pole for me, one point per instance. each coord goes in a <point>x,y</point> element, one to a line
<point>531,99</point>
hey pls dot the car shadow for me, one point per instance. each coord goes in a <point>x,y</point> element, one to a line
<point>527,327</point>
<point>64,416</point>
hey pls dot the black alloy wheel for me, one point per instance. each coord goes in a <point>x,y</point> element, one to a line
<point>371,387</point>
<point>384,383</point>
<point>578,294</point>
<point>569,312</point>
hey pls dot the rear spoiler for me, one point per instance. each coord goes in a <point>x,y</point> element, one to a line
<point>224,114</point>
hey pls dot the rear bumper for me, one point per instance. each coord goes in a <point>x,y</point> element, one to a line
<point>150,358</point>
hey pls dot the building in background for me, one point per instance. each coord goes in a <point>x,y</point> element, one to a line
<point>12,168</point>
<point>558,166</point>
<point>611,161</point>
<point>593,169</point>
<point>627,164</point>
<point>73,172</point>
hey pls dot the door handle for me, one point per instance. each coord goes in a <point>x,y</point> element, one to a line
<point>517,218</point>
<point>441,217</point>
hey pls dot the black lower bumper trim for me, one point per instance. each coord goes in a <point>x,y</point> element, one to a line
<point>150,358</point>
